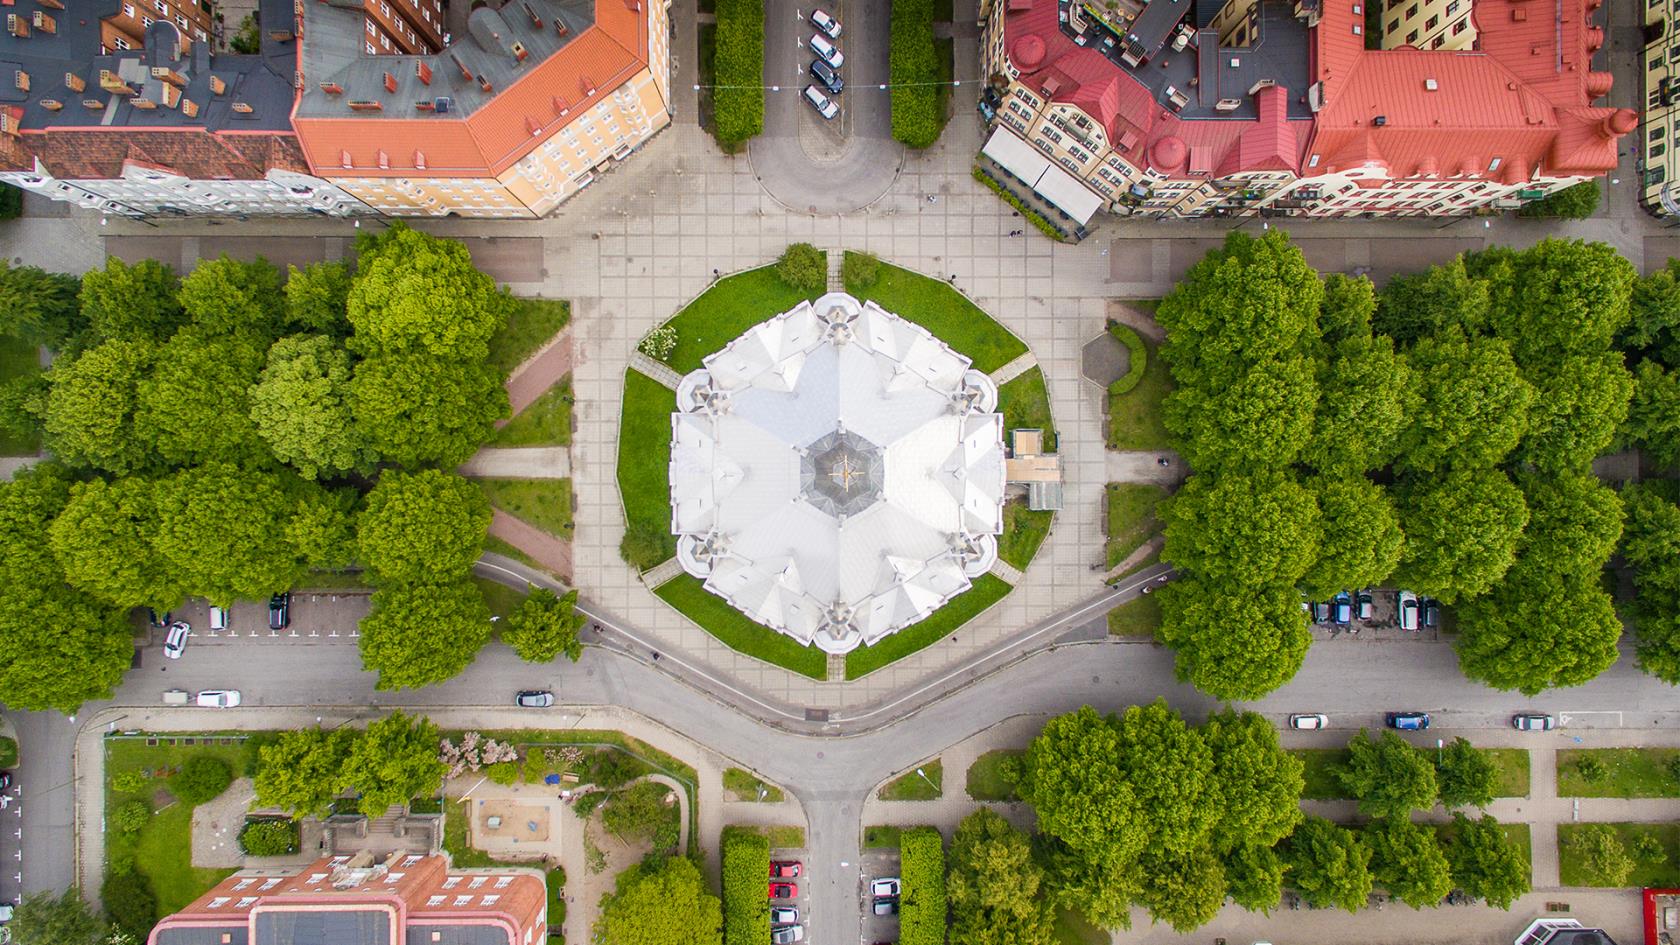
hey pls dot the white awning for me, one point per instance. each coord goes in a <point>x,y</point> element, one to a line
<point>1065,191</point>
<point>1016,156</point>
<point>1049,181</point>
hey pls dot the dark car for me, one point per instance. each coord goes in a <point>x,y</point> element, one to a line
<point>785,869</point>
<point>1431,612</point>
<point>1320,611</point>
<point>1532,722</point>
<point>885,905</point>
<point>157,621</point>
<point>1341,608</point>
<point>5,780</point>
<point>828,76</point>
<point>280,611</point>
<point>1407,721</point>
<point>783,890</point>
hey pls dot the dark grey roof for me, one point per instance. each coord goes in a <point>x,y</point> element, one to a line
<point>335,53</point>
<point>201,935</point>
<point>456,934</point>
<point>311,927</point>
<point>1579,937</point>
<point>841,473</point>
<point>262,81</point>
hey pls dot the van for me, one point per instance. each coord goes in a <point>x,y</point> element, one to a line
<point>1406,603</point>
<point>218,618</point>
<point>176,697</point>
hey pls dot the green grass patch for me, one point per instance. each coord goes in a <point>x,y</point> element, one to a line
<point>881,836</point>
<point>731,306</point>
<point>1628,772</point>
<point>1512,767</point>
<point>8,752</point>
<point>1318,771</point>
<point>947,313</point>
<point>546,421</point>
<point>1024,530</point>
<point>532,324</point>
<point>985,776</point>
<point>1661,871</point>
<point>689,596</point>
<point>495,545</point>
<point>988,590</point>
<point>1131,518</point>
<point>1025,405</point>
<point>1134,417</point>
<point>929,785</point>
<point>746,786</point>
<point>1139,617</point>
<point>18,359</point>
<point>545,503</point>
<point>644,464</point>
<point>501,599</point>
<point>1074,929</point>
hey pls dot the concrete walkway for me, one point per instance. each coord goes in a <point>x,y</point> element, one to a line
<point>1145,466</point>
<point>540,371</point>
<point>524,462</point>
<point>1019,366</point>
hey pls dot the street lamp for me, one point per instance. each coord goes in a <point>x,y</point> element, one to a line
<point>924,777</point>
<point>1440,745</point>
<point>762,790</point>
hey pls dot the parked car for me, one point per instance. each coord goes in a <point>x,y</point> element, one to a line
<point>828,76</point>
<point>1532,722</point>
<point>787,935</point>
<point>884,887</point>
<point>1407,721</point>
<point>1308,721</point>
<point>1363,605</point>
<point>886,905</point>
<point>828,24</point>
<point>783,890</point>
<point>219,618</point>
<point>1406,605</point>
<point>176,697</point>
<point>5,780</point>
<point>534,699</point>
<point>1431,612</point>
<point>175,642</point>
<point>783,915</point>
<point>1341,609</point>
<point>785,869</point>
<point>280,611</point>
<point>218,699</point>
<point>827,51</point>
<point>822,103</point>
<point>1320,611</point>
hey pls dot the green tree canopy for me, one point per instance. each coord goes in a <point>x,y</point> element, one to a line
<point>545,626</point>
<point>221,529</point>
<point>997,892</point>
<point>1362,537</point>
<point>393,761</point>
<point>1256,785</point>
<point>40,307</point>
<point>1484,863</point>
<point>1538,629</point>
<point>1579,404</point>
<point>1473,403</point>
<point>1349,302</point>
<point>301,408</point>
<point>1574,522</point>
<point>316,297</point>
<point>1462,531</point>
<point>226,296</point>
<point>1653,327</point>
<point>1069,777</point>
<point>1244,529</point>
<point>1420,306</point>
<point>416,293</point>
<point>59,649</point>
<point>1170,768</point>
<point>1232,641</point>
<point>417,409</point>
<point>91,407</point>
<point>1561,298</point>
<point>1328,865</point>
<point>1651,544</point>
<point>1254,877</point>
<point>417,635</point>
<point>1601,854</point>
<point>1364,403</point>
<point>1261,417</point>
<point>104,541</point>
<point>1408,862</point>
<point>1184,890</point>
<point>660,902</point>
<point>423,527</point>
<point>1465,775</point>
<point>322,528</point>
<point>29,503</point>
<point>138,302</point>
<point>1388,776</point>
<point>1653,420</point>
<point>64,919</point>
<point>303,770</point>
<point>193,405</point>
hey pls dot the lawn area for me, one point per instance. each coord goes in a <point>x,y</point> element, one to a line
<point>721,313</point>
<point>985,776</point>
<point>18,359</point>
<point>689,596</point>
<point>8,752</point>
<point>1320,764</point>
<point>1628,772</point>
<point>1134,418</point>
<point>1512,766</point>
<point>1131,519</point>
<point>947,313</point>
<point>545,503</point>
<point>1647,870</point>
<point>532,324</point>
<point>1023,531</point>
<point>546,422</point>
<point>880,835</point>
<point>745,785</point>
<point>644,459</point>
<point>495,545</point>
<point>501,599</point>
<point>1140,617</point>
<point>988,590</point>
<point>781,836</point>
<point>1025,405</point>
<point>929,785</point>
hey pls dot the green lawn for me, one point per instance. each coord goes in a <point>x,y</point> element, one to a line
<point>1131,517</point>
<point>1647,871</point>
<point>501,599</point>
<point>731,306</point>
<point>546,422</point>
<point>947,313</point>
<point>929,785</point>
<point>1629,772</point>
<point>545,503</point>
<point>745,785</point>
<point>1134,418</point>
<point>1140,617</point>
<point>1023,531</point>
<point>18,359</point>
<point>688,595</point>
<point>1511,765</point>
<point>532,324</point>
<point>879,836</point>
<point>8,753</point>
<point>644,459</point>
<point>497,546</point>
<point>1025,405</point>
<point>988,590</point>
<point>985,776</point>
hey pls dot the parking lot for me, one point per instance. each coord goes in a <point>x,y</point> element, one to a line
<point>319,616</point>
<point>802,902</point>
<point>1384,620</point>
<point>877,928</point>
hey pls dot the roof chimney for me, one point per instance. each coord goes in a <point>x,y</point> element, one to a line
<point>422,72</point>
<point>17,25</point>
<point>344,159</point>
<point>44,22</point>
<point>74,82</point>
<point>420,159</point>
<point>384,160</point>
<point>390,82</point>
<point>217,86</point>
<point>332,88</point>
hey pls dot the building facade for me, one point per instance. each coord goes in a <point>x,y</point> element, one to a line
<point>1660,190</point>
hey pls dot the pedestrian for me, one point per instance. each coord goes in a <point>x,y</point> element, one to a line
<point>656,656</point>
<point>714,275</point>
<point>953,279</point>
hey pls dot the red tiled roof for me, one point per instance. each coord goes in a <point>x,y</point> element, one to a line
<point>73,154</point>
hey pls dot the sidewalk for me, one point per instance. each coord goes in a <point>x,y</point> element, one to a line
<point>521,462</point>
<point>541,371</point>
<point>551,552</point>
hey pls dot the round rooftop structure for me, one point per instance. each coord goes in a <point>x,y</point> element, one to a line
<point>1028,52</point>
<point>1168,153</point>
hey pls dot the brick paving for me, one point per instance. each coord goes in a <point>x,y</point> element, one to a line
<point>540,372</point>
<point>550,551</point>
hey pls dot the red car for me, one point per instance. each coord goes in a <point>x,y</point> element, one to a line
<point>783,890</point>
<point>785,869</point>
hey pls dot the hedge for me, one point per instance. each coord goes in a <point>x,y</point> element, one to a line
<point>921,852</point>
<point>913,70</point>
<point>1033,216</point>
<point>1138,361</point>
<point>268,837</point>
<point>746,871</point>
<point>1575,202</point>
<point>738,64</point>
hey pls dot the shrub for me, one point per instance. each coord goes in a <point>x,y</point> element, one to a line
<point>922,871</point>
<point>803,267</point>
<point>1590,769</point>
<point>1576,202</point>
<point>202,778</point>
<point>659,343</point>
<point>129,903</point>
<point>128,782</point>
<point>1033,216</point>
<point>1137,363</point>
<point>610,768</point>
<point>268,837</point>
<point>556,882</point>
<point>502,772</point>
<point>1601,854</point>
<point>1650,849</point>
<point>913,70</point>
<point>645,546</point>
<point>738,69</point>
<point>746,863</point>
<point>130,817</point>
<point>859,271</point>
<point>1674,767</point>
<point>639,812</point>
<point>536,767</point>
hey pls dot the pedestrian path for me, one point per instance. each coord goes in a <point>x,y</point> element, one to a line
<point>836,278</point>
<point>550,551</point>
<point>656,370</point>
<point>1021,365</point>
<point>1006,571</point>
<point>1145,466</point>
<point>527,462</point>
<point>662,572</point>
<point>540,371</point>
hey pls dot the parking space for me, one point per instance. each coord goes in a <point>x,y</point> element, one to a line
<point>1384,621</point>
<point>801,902</point>
<point>877,928</point>
<point>321,617</point>
<point>11,841</point>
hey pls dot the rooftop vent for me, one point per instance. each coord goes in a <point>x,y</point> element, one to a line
<point>484,83</point>
<point>1431,85</point>
<point>444,105</point>
<point>44,22</point>
<point>390,82</point>
<point>422,72</point>
<point>344,159</point>
<point>1380,120</point>
<point>74,82</point>
<point>536,21</point>
<point>332,88</point>
<point>280,36</point>
<point>384,161</point>
<point>420,159</point>
<point>520,52</point>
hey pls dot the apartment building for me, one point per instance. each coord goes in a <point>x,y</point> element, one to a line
<point>1660,119</point>
<point>353,900</point>
<point>1188,108</point>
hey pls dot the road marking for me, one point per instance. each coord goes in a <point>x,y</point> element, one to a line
<point>1564,718</point>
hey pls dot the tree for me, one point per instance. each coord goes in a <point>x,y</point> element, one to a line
<point>1484,863</point>
<point>393,761</point>
<point>1575,202</point>
<point>61,920</point>
<point>1473,403</point>
<point>415,293</point>
<point>1349,302</point>
<point>544,626</point>
<point>803,267</point>
<point>38,307</point>
<point>1414,307</point>
<point>1580,402</point>
<point>423,527</point>
<point>997,892</point>
<point>1256,785</point>
<point>322,528</point>
<point>91,407</point>
<point>1408,862</point>
<point>1169,767</point>
<point>129,903</point>
<point>1069,776</point>
<point>1465,775</point>
<point>1388,776</point>
<point>220,527</point>
<point>1574,523</point>
<point>660,903</point>
<point>58,649</point>
<point>1362,540</point>
<point>1651,544</point>
<point>1328,865</point>
<point>1261,416</point>
<point>202,778</point>
<point>1653,420</point>
<point>268,837</point>
<point>1602,855</point>
<point>301,408</point>
<point>130,817</point>
<point>638,812</point>
<point>1560,298</point>
<point>1247,529</point>
<point>1462,531</point>
<point>226,296</point>
<point>1184,890</point>
<point>316,296</point>
<point>1538,629</point>
<point>417,635</point>
<point>193,405</point>
<point>104,541</point>
<point>29,503</point>
<point>137,303</point>
<point>1363,406</point>
<point>1254,877</point>
<point>417,409</point>
<point>303,770</point>
<point>1232,641</point>
<point>1653,327</point>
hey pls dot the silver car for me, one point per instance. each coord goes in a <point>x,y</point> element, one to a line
<point>822,103</point>
<point>1308,721</point>
<point>827,51</point>
<point>175,642</point>
<point>534,699</point>
<point>218,699</point>
<point>828,24</point>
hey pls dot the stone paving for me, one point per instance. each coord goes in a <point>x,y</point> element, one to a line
<point>521,462</point>
<point>550,551</point>
<point>540,371</point>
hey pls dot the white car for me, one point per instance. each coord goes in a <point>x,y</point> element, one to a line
<point>822,103</point>
<point>175,642</point>
<point>826,23</point>
<point>218,699</point>
<point>784,915</point>
<point>787,935</point>
<point>219,618</point>
<point>884,887</point>
<point>1308,721</point>
<point>827,51</point>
